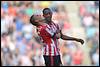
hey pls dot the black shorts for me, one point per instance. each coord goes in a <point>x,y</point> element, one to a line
<point>52,60</point>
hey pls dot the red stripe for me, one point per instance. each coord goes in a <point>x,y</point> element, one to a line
<point>54,51</point>
<point>51,58</point>
<point>45,35</point>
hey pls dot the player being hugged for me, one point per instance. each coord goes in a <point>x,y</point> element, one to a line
<point>50,33</point>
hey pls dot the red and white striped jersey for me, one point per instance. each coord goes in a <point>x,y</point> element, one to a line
<point>46,32</point>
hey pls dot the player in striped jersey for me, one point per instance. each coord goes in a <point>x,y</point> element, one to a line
<point>50,33</point>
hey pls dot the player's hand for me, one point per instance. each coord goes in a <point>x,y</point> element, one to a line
<point>81,41</point>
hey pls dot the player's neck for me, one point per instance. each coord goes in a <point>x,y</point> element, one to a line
<point>49,22</point>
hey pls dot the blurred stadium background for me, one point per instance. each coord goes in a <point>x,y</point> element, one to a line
<point>20,45</point>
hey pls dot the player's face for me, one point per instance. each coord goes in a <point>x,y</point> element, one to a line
<point>38,19</point>
<point>47,15</point>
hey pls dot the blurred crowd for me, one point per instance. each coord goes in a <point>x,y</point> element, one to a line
<point>20,45</point>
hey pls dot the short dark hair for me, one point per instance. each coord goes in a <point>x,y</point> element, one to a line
<point>32,20</point>
<point>46,9</point>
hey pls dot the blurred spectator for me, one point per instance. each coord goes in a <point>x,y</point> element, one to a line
<point>95,57</point>
<point>4,28</point>
<point>87,20</point>
<point>26,62</point>
<point>82,10</point>
<point>90,32</point>
<point>29,9</point>
<point>5,5</point>
<point>21,45</point>
<point>67,59</point>
<point>27,31</point>
<point>77,57</point>
<point>97,4</point>
<point>45,4</point>
<point>12,10</point>
<point>19,22</point>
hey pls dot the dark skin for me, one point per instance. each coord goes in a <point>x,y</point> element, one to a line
<point>48,17</point>
<point>64,37</point>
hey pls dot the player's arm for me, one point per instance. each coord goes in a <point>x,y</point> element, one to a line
<point>65,37</point>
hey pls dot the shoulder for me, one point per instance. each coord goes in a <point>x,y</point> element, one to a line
<point>57,25</point>
<point>54,23</point>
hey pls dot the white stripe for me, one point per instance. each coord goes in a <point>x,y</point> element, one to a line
<point>50,31</point>
<point>54,45</point>
<point>52,49</point>
<point>43,50</point>
<point>53,28</point>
